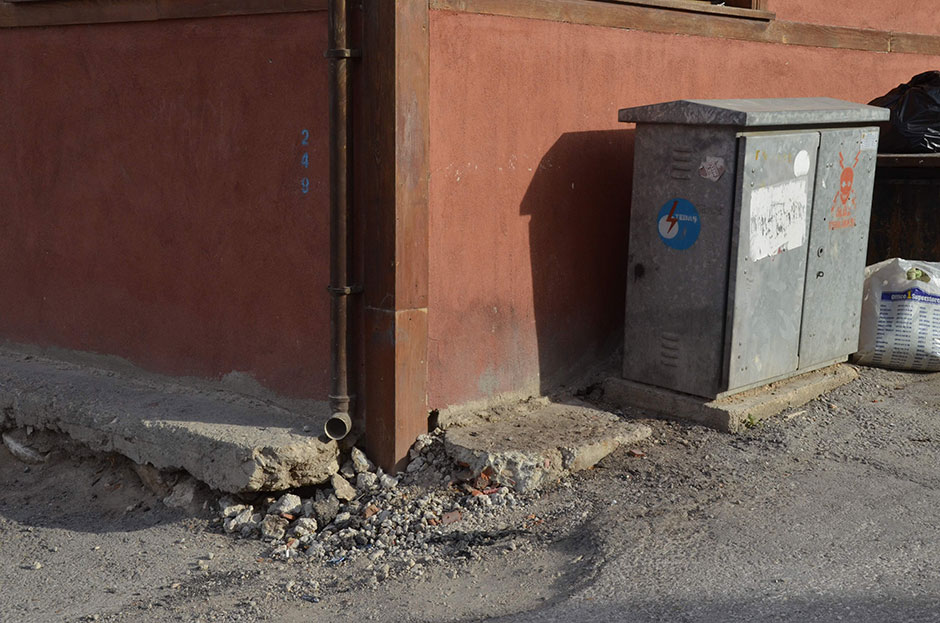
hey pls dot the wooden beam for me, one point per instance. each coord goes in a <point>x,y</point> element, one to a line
<point>930,161</point>
<point>394,162</point>
<point>664,20</point>
<point>910,43</point>
<point>70,12</point>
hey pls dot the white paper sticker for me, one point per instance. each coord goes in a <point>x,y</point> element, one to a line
<point>801,163</point>
<point>870,141</point>
<point>778,218</point>
<point>712,168</point>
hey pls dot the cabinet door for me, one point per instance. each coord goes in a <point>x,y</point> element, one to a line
<point>776,171</point>
<point>680,232</point>
<point>838,242</point>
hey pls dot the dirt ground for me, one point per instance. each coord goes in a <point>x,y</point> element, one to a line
<point>826,513</point>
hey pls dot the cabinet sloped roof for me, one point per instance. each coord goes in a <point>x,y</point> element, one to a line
<point>756,112</point>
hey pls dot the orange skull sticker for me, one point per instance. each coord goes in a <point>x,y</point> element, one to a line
<point>843,204</point>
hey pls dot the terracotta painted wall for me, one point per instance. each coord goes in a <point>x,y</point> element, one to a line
<point>150,195</point>
<point>531,178</point>
<point>921,16</point>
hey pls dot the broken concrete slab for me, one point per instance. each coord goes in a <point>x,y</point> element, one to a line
<point>731,413</point>
<point>536,444</point>
<point>229,441</point>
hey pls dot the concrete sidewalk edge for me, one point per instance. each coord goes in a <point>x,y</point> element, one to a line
<point>530,448</point>
<point>231,442</point>
<point>732,413</point>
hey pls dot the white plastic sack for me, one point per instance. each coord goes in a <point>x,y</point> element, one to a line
<point>900,323</point>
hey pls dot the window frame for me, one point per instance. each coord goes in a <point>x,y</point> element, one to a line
<point>748,9</point>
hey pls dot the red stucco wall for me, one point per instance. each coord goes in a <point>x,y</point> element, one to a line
<point>921,16</point>
<point>531,178</point>
<point>150,195</point>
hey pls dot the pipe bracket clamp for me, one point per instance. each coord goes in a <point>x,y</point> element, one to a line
<point>344,290</point>
<point>343,53</point>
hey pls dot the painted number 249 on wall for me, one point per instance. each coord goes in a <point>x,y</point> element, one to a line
<point>305,161</point>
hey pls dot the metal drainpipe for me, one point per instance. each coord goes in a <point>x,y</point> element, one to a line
<point>340,423</point>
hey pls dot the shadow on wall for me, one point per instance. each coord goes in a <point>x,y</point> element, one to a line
<point>579,202</point>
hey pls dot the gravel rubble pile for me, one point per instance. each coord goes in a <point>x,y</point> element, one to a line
<point>433,511</point>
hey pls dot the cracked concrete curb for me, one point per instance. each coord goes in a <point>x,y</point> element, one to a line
<point>535,448</point>
<point>230,442</point>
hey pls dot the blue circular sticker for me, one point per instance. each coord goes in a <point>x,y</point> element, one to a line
<point>678,224</point>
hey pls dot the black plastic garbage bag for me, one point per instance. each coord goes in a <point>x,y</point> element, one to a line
<point>914,127</point>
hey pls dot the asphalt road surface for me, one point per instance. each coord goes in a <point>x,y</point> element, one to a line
<point>828,513</point>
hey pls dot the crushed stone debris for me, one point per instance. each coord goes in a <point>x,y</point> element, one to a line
<point>288,503</point>
<point>342,489</point>
<point>360,461</point>
<point>436,510</point>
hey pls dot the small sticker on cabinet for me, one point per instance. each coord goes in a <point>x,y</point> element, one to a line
<point>841,214</point>
<point>778,219</point>
<point>678,224</point>
<point>801,163</point>
<point>870,141</point>
<point>712,168</point>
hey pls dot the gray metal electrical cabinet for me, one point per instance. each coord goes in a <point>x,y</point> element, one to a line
<point>748,234</point>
